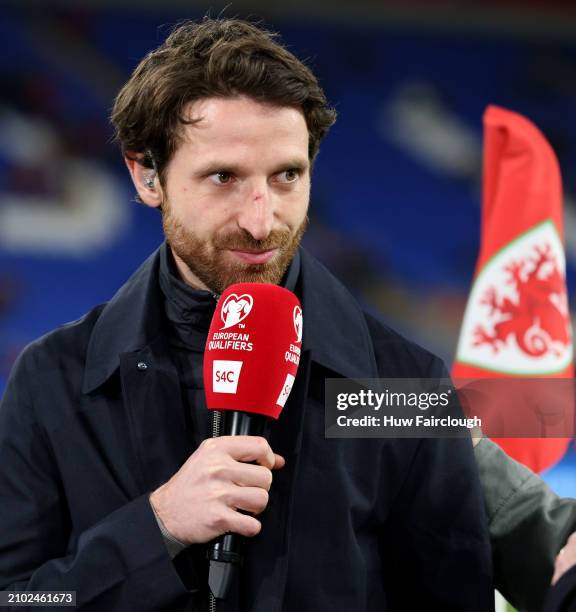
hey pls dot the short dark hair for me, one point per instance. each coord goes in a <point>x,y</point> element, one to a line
<point>212,58</point>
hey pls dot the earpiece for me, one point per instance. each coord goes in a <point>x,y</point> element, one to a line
<point>149,180</point>
<point>149,176</point>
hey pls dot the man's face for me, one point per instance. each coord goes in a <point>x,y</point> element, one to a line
<point>236,192</point>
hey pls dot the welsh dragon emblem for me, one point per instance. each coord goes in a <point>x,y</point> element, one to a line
<point>535,313</point>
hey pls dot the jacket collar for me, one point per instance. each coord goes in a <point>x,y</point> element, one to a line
<point>335,329</point>
<point>127,323</point>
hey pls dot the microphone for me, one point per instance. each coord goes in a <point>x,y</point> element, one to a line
<point>250,364</point>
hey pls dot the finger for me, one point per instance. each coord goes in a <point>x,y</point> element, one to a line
<point>564,561</point>
<point>557,570</point>
<point>250,475</point>
<point>248,448</point>
<point>248,499</point>
<point>558,573</point>
<point>243,524</point>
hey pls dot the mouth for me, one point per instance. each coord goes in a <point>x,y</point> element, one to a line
<point>253,257</point>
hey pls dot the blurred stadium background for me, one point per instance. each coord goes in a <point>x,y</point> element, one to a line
<point>396,195</point>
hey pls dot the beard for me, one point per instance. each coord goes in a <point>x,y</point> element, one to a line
<point>209,262</point>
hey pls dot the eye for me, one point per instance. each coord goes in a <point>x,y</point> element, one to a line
<point>222,178</point>
<point>288,176</point>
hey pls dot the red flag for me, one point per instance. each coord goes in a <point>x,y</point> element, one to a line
<point>517,320</point>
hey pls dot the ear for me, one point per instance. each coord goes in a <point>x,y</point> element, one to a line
<point>145,181</point>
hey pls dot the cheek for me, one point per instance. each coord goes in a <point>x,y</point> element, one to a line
<point>297,207</point>
<point>202,212</point>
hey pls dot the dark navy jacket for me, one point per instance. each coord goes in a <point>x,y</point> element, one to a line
<point>352,525</point>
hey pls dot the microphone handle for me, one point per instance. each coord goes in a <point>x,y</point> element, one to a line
<point>237,423</point>
<point>226,552</point>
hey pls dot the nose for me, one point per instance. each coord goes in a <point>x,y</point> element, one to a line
<point>256,215</point>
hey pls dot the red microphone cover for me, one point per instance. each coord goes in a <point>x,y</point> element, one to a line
<point>253,349</point>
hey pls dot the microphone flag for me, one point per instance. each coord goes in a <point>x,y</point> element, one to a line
<point>253,349</point>
<point>517,322</point>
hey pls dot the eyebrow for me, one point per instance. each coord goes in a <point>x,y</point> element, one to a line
<point>212,167</point>
<point>297,164</point>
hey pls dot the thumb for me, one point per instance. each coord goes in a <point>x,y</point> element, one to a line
<point>279,462</point>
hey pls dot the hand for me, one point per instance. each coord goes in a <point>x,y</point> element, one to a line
<point>201,501</point>
<point>566,559</point>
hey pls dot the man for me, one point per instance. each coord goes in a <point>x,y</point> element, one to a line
<point>109,483</point>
